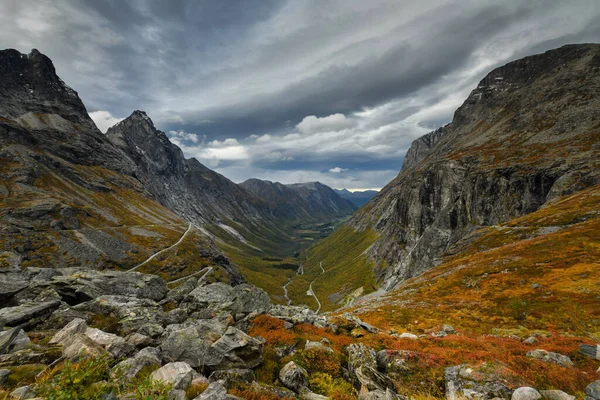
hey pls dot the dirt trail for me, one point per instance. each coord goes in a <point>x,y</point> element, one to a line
<point>163,250</point>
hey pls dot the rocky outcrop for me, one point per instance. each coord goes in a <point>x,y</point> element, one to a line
<point>524,136</point>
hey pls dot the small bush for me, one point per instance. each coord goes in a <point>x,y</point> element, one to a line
<point>336,388</point>
<point>87,379</point>
<point>320,361</point>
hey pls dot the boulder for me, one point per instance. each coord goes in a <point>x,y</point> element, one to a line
<point>178,293</point>
<point>176,394</point>
<point>526,393</point>
<point>188,344</point>
<point>550,357</point>
<point>239,301</point>
<point>77,325</point>
<point>4,374</point>
<point>306,394</point>
<point>23,392</point>
<point>129,368</point>
<point>293,377</point>
<point>132,312</point>
<point>12,340</point>
<point>216,391</point>
<point>317,346</point>
<point>475,382</point>
<point>235,375</point>
<point>177,374</point>
<point>556,395</point>
<point>531,340</point>
<point>380,395</point>
<point>294,314</point>
<point>29,314</point>
<point>77,285</point>
<point>11,283</point>
<point>395,361</point>
<point>151,330</point>
<point>139,341</point>
<point>407,335</point>
<point>593,390</point>
<point>238,350</point>
<point>80,344</point>
<point>362,365</point>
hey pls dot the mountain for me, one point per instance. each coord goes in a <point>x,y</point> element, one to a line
<point>527,135</point>
<point>69,196</point>
<point>187,187</point>
<point>301,201</point>
<point>359,198</point>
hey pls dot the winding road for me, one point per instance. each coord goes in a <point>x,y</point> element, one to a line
<point>163,250</point>
<point>208,271</point>
<point>285,292</point>
<point>311,291</point>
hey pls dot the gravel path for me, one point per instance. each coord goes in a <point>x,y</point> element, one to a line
<point>163,250</point>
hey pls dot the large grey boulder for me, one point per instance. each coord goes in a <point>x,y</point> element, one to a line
<point>177,374</point>
<point>362,365</point>
<point>77,325</point>
<point>28,314</point>
<point>294,314</point>
<point>293,377</point>
<point>79,344</point>
<point>526,393</point>
<point>132,312</point>
<point>240,300</point>
<point>114,344</point>
<point>23,392</point>
<point>12,340</point>
<point>234,375</point>
<point>238,350</point>
<point>77,285</point>
<point>465,381</point>
<point>11,283</point>
<point>193,343</point>
<point>129,368</point>
<point>593,390</point>
<point>556,395</point>
<point>550,357</point>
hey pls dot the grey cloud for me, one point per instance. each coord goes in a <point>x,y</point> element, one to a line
<point>217,70</point>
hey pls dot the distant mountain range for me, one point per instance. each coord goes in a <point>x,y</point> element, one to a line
<point>359,198</point>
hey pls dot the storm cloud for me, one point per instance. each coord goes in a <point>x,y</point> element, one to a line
<point>286,90</point>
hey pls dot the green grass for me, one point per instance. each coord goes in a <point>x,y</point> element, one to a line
<point>344,259</point>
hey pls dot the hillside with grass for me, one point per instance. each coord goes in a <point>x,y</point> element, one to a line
<point>528,134</point>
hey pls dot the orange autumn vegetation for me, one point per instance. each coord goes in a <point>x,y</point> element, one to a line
<point>535,275</point>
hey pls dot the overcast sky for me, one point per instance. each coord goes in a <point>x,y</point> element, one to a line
<point>295,90</point>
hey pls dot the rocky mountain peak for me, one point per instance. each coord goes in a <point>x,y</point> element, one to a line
<point>32,94</point>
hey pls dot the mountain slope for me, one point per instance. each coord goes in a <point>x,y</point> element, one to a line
<point>68,195</point>
<point>529,133</point>
<point>303,201</point>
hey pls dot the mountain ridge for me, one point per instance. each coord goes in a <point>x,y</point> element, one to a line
<point>526,135</point>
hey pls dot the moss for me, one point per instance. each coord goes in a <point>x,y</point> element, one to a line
<point>22,375</point>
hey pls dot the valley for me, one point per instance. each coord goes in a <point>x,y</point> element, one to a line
<point>130,271</point>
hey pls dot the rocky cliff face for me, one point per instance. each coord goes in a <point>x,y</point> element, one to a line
<point>185,186</point>
<point>528,133</point>
<point>68,195</point>
<point>302,201</point>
